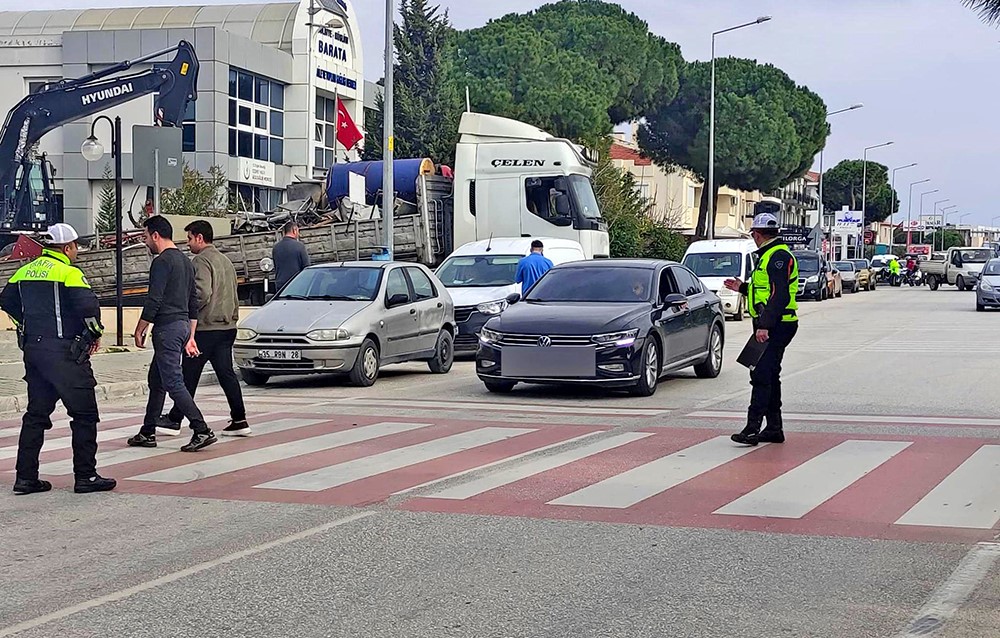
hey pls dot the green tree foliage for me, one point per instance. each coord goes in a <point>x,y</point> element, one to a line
<point>950,238</point>
<point>427,104</point>
<point>200,195</point>
<point>105,221</point>
<point>989,10</point>
<point>768,129</point>
<point>375,130</point>
<point>574,68</point>
<point>842,186</point>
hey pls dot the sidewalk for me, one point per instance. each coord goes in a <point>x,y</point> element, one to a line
<point>119,374</point>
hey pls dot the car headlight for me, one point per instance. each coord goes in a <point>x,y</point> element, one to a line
<point>492,307</point>
<point>813,279</point>
<point>621,339</point>
<point>338,334</point>
<point>245,334</point>
<point>983,285</point>
<point>489,336</point>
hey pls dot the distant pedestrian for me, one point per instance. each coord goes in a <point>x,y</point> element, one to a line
<point>289,255</point>
<point>531,268</point>
<point>218,314</point>
<point>172,309</point>
<point>58,320</point>
<point>771,301</point>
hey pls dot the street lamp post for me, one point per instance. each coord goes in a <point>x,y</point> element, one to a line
<point>388,140</point>
<point>934,210</point>
<point>710,230</point>
<point>864,190</point>
<point>892,187</point>
<point>819,223</point>
<point>944,213</point>
<point>93,150</point>
<point>909,207</point>
<point>920,211</point>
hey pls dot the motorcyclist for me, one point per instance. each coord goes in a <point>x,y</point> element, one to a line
<point>894,271</point>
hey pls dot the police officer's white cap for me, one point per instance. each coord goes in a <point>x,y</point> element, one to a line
<point>765,221</point>
<point>61,234</point>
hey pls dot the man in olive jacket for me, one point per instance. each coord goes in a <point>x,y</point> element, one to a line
<point>218,314</point>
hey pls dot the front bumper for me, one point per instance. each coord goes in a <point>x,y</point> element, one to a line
<point>988,298</point>
<point>470,321</point>
<point>615,367</point>
<point>808,289</point>
<point>730,302</point>
<point>315,359</point>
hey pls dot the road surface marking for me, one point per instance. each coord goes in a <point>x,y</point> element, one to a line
<point>952,593</point>
<point>350,471</point>
<point>252,458</point>
<point>636,485</point>
<point>66,442</point>
<point>525,470</point>
<point>417,404</point>
<point>856,418</point>
<point>122,594</point>
<point>167,446</point>
<point>969,497</point>
<point>64,423</point>
<point>801,490</point>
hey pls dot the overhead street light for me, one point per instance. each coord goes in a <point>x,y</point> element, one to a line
<point>892,187</point>
<point>820,207</point>
<point>864,178</point>
<point>710,230</point>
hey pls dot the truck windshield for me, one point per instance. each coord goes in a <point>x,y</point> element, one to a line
<point>478,271</point>
<point>583,193</point>
<point>714,264</point>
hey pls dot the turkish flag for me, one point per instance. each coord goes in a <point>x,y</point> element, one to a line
<point>26,248</point>
<point>348,133</point>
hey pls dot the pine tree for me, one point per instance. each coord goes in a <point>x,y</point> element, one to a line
<point>105,221</point>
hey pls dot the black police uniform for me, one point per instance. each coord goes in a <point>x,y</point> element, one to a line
<point>57,317</point>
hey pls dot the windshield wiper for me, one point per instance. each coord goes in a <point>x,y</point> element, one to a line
<point>295,297</point>
<point>332,298</point>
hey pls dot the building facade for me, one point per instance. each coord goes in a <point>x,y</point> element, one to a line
<point>270,76</point>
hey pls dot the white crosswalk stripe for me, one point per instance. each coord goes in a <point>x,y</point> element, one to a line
<point>801,490</point>
<point>280,452</point>
<point>635,486</point>
<point>350,471</point>
<point>66,442</point>
<point>59,424</point>
<point>418,404</point>
<point>969,497</point>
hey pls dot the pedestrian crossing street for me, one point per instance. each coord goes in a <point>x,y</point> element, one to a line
<point>828,484</point>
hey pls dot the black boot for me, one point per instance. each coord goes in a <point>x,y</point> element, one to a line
<point>749,434</point>
<point>774,432</point>
<point>30,486</point>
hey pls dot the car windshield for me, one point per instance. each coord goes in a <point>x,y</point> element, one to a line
<point>478,271</point>
<point>992,267</point>
<point>611,285</point>
<point>846,266</point>
<point>334,284</point>
<point>980,256</point>
<point>860,264</point>
<point>714,264</point>
<point>807,262</point>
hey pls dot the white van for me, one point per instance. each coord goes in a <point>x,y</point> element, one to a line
<point>480,275</point>
<point>715,261</point>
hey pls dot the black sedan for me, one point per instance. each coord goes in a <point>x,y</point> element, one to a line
<point>618,323</point>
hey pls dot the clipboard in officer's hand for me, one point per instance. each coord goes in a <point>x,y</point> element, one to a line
<point>752,352</point>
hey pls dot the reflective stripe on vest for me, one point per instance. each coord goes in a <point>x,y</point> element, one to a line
<point>760,285</point>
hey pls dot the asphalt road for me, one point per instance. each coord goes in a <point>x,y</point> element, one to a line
<point>425,506</point>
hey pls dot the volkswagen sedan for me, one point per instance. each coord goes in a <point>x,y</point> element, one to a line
<point>608,323</point>
<point>349,318</point>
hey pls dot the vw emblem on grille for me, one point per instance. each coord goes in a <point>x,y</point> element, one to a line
<point>544,342</point>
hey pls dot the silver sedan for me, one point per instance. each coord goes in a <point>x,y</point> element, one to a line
<point>350,318</point>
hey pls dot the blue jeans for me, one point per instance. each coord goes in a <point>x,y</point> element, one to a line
<point>166,377</point>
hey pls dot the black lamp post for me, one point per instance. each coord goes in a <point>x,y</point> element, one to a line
<point>93,150</point>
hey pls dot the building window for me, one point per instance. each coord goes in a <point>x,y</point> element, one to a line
<point>325,134</point>
<point>254,198</point>
<point>256,117</point>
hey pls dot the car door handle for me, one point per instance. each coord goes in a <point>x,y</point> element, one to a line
<point>413,311</point>
<point>440,305</point>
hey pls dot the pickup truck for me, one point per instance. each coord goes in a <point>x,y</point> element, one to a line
<point>960,267</point>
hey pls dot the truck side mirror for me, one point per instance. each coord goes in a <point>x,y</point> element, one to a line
<point>562,205</point>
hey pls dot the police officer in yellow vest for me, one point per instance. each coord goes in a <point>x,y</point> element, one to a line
<point>58,320</point>
<point>771,300</point>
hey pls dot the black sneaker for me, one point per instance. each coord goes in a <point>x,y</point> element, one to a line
<point>771,436</point>
<point>94,484</point>
<point>237,428</point>
<point>199,440</point>
<point>165,426</point>
<point>142,440</point>
<point>745,439</point>
<point>31,486</point>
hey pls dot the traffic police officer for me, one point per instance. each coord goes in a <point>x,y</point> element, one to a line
<point>58,323</point>
<point>771,300</point>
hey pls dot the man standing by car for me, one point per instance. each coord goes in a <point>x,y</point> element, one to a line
<point>172,309</point>
<point>218,314</point>
<point>771,302</point>
<point>289,256</point>
<point>531,268</point>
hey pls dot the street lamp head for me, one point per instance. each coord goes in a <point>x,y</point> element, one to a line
<point>92,149</point>
<point>859,105</point>
<point>763,19</point>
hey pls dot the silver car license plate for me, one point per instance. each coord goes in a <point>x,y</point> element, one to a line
<point>280,355</point>
<point>549,363</point>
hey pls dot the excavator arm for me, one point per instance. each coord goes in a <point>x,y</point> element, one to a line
<point>62,102</point>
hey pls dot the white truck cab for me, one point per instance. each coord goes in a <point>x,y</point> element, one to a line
<point>515,180</point>
<point>715,261</point>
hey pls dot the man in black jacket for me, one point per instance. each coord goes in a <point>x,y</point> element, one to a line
<point>172,309</point>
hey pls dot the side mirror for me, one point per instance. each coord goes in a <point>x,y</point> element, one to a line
<point>398,299</point>
<point>562,205</point>
<point>513,298</point>
<point>675,300</point>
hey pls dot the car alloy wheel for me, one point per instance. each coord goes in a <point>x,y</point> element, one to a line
<point>652,368</point>
<point>717,349</point>
<point>711,366</point>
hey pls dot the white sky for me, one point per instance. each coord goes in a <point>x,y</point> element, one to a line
<point>925,70</point>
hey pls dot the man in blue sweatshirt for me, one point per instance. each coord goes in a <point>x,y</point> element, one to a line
<point>531,268</point>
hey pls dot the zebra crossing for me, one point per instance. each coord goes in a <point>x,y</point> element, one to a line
<point>828,484</point>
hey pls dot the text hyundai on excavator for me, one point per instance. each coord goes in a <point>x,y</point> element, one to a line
<point>27,203</point>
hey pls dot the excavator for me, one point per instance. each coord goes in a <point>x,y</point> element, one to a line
<point>27,201</point>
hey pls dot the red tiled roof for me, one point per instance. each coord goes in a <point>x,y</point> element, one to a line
<point>812,176</point>
<point>620,152</point>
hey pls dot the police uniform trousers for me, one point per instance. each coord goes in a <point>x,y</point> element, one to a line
<point>53,374</point>
<point>765,400</point>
